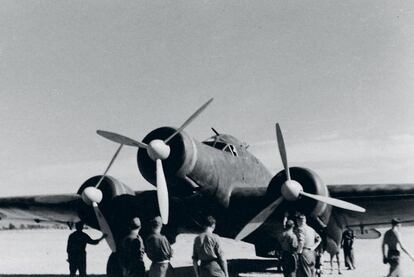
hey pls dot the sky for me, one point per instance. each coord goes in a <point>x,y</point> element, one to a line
<point>336,75</point>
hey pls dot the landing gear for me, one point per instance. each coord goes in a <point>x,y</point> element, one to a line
<point>113,269</point>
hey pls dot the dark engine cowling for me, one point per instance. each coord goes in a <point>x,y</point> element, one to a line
<point>317,213</point>
<point>179,163</point>
<point>120,204</point>
<point>111,188</point>
<point>311,183</point>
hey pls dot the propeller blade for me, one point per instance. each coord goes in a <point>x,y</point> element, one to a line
<point>109,165</point>
<point>258,219</point>
<point>104,227</point>
<point>282,150</point>
<point>162,192</point>
<point>121,139</point>
<point>334,202</point>
<point>189,120</point>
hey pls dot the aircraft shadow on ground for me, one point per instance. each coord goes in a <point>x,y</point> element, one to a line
<point>236,266</point>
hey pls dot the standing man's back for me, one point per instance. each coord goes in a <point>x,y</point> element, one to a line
<point>207,251</point>
<point>158,251</point>
<point>131,251</point>
<point>76,249</point>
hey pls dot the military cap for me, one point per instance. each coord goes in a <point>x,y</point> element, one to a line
<point>395,221</point>
<point>135,223</point>
<point>156,222</point>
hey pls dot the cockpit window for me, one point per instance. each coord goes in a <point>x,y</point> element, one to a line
<point>230,148</point>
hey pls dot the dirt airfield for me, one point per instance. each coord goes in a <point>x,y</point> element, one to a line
<point>43,253</point>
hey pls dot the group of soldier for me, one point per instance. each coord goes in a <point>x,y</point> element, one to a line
<point>208,259</point>
<point>130,252</point>
<point>299,244</point>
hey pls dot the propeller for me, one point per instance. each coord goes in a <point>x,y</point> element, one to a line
<point>291,190</point>
<point>258,219</point>
<point>297,189</point>
<point>109,165</point>
<point>334,202</point>
<point>158,150</point>
<point>121,139</point>
<point>93,196</point>
<point>189,120</point>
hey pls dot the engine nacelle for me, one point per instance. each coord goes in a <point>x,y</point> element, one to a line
<point>181,161</point>
<point>311,183</point>
<point>110,188</point>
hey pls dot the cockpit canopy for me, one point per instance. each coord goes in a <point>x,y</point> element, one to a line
<point>225,143</point>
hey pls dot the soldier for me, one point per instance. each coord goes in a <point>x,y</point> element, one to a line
<point>392,239</point>
<point>347,243</point>
<point>131,251</point>
<point>207,250</point>
<point>77,242</point>
<point>159,251</point>
<point>308,240</point>
<point>289,245</point>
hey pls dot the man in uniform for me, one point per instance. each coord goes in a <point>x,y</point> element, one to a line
<point>392,239</point>
<point>347,243</point>
<point>289,244</point>
<point>159,251</point>
<point>77,242</point>
<point>207,250</point>
<point>131,251</point>
<point>308,240</point>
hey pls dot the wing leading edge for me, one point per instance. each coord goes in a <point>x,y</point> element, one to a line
<point>382,202</point>
<point>62,208</point>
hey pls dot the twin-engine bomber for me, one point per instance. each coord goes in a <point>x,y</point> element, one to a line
<point>218,177</point>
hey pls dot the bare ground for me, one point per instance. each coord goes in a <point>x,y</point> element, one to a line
<point>43,253</point>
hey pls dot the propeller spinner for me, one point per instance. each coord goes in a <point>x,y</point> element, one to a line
<point>291,190</point>
<point>158,150</point>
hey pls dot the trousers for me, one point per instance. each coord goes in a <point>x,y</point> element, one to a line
<point>77,262</point>
<point>161,270</point>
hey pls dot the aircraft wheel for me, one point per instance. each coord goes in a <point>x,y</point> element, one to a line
<point>113,269</point>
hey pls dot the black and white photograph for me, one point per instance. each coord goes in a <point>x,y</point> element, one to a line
<point>207,138</point>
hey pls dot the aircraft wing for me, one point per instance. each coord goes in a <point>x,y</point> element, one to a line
<point>60,208</point>
<point>381,201</point>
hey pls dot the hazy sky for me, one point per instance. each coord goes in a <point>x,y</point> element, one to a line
<point>337,75</point>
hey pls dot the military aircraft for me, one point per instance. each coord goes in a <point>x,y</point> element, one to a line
<point>218,177</point>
